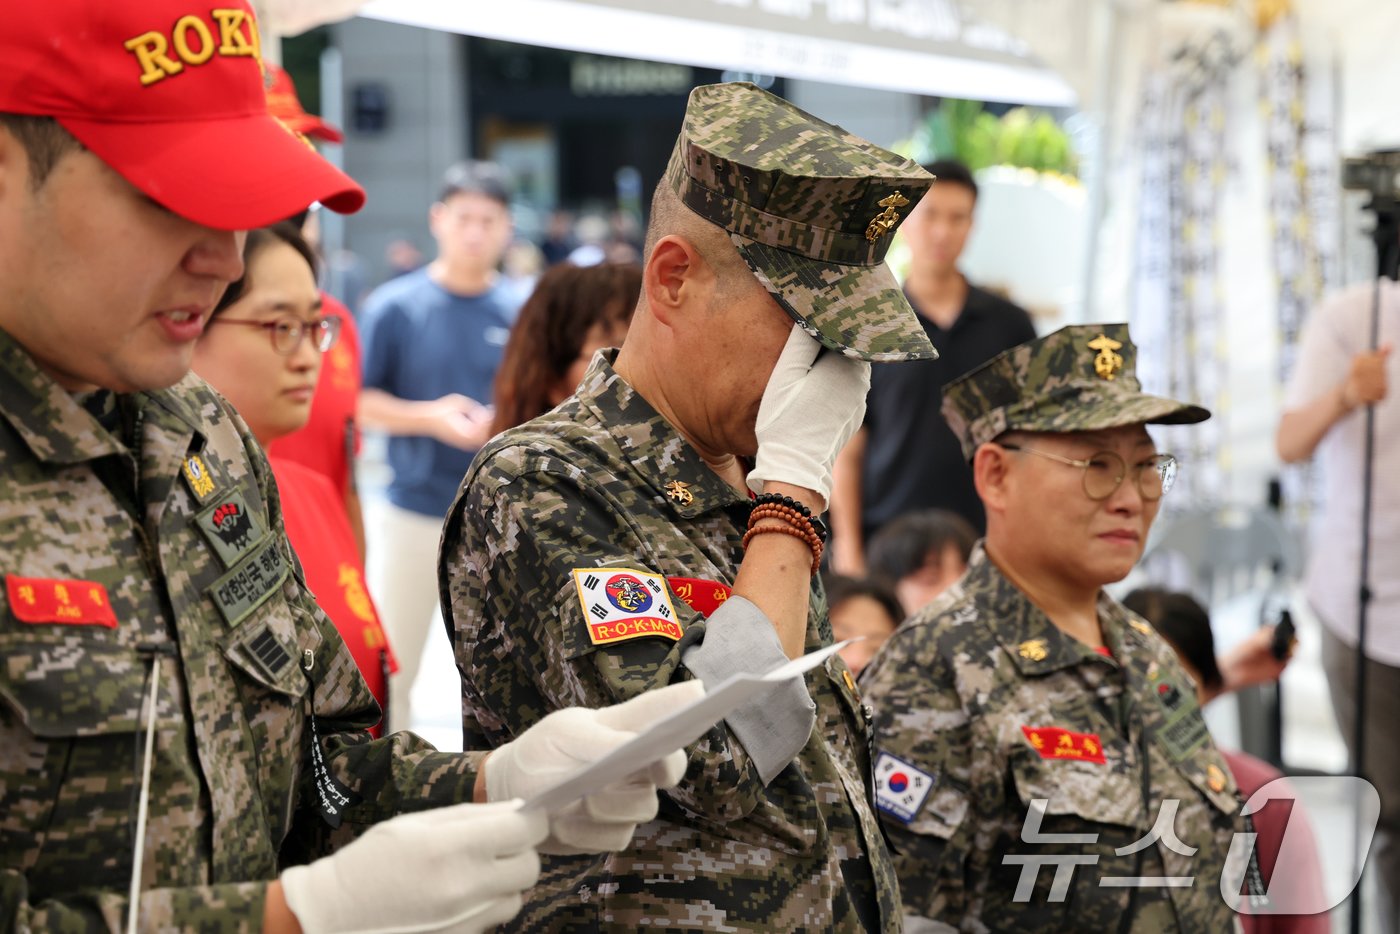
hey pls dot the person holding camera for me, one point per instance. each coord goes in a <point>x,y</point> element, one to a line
<point>1337,375</point>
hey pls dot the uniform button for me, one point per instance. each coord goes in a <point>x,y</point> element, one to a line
<point>1215,778</point>
<point>289,588</point>
<point>308,659</point>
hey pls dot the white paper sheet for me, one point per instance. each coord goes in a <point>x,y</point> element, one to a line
<point>680,729</point>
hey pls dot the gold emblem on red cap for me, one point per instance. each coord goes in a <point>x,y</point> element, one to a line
<point>1107,363</point>
<point>887,219</point>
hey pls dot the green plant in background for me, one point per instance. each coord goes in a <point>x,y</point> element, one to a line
<point>965,131</point>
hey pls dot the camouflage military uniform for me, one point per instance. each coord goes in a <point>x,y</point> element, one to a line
<point>982,706</point>
<point>605,482</point>
<point>986,709</point>
<point>166,550</point>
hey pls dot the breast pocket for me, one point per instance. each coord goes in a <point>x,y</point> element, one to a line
<point>265,655</point>
<point>1068,816</point>
<point>71,717</point>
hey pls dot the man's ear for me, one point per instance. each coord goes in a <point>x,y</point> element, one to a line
<point>991,467</point>
<point>673,277</point>
<point>435,215</point>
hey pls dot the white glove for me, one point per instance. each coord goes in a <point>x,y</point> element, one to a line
<point>459,868</point>
<point>569,739</point>
<point>808,413</point>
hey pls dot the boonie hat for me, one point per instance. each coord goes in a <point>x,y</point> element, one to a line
<point>170,94</point>
<point>283,103</point>
<point>1080,378</point>
<point>811,209</point>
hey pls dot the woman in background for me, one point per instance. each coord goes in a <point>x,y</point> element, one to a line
<point>573,313</point>
<point>262,350</point>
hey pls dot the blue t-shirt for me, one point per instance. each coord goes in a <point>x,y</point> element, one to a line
<point>422,342</point>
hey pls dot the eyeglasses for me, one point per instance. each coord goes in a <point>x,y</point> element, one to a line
<point>288,333</point>
<point>1104,472</point>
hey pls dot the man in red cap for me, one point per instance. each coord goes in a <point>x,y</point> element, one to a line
<point>178,719</point>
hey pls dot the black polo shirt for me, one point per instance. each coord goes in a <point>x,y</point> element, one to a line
<point>912,459</point>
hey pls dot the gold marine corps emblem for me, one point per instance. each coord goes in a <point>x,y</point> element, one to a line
<point>680,492</point>
<point>1107,363</point>
<point>887,219</point>
<point>1033,649</point>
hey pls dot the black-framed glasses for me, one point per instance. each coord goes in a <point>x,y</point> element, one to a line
<point>1104,471</point>
<point>288,333</point>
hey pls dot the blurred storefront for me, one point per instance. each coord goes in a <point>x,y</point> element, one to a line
<point>583,98</point>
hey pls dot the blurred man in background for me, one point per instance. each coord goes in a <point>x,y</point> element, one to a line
<point>905,457</point>
<point>433,340</point>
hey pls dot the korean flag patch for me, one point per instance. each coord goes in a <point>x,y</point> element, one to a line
<point>900,788</point>
<point>621,604</point>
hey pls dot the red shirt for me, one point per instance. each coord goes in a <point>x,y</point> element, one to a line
<point>327,443</point>
<point>320,533</point>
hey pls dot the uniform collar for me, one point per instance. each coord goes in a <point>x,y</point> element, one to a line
<point>655,451</point>
<point>1035,644</point>
<point>50,420</point>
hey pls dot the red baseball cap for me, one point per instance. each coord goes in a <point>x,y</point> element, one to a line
<point>170,94</point>
<point>283,103</point>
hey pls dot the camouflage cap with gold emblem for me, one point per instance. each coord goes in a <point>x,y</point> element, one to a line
<point>811,209</point>
<point>1080,378</point>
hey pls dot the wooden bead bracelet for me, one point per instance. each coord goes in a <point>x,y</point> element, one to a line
<point>808,538</point>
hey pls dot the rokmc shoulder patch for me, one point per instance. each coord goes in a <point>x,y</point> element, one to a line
<point>621,604</point>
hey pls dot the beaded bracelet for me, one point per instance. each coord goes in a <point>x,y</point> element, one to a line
<point>776,499</point>
<point>788,530</point>
<point>791,517</point>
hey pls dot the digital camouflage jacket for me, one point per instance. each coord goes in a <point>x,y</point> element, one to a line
<point>167,553</point>
<point>604,483</point>
<point>984,710</point>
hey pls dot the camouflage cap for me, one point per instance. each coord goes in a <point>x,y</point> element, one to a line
<point>1080,378</point>
<point>811,209</point>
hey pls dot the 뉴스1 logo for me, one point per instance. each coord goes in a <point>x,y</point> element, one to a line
<point>1295,887</point>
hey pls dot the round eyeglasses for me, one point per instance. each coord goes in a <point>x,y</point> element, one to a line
<point>1104,472</point>
<point>288,333</point>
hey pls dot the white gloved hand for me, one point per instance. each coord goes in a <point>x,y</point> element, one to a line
<point>808,413</point>
<point>569,739</point>
<point>459,868</point>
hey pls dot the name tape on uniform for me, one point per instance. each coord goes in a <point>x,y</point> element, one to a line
<point>702,596</point>
<point>62,601</point>
<point>244,588</point>
<point>621,604</point>
<point>1053,742</point>
<point>900,788</point>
